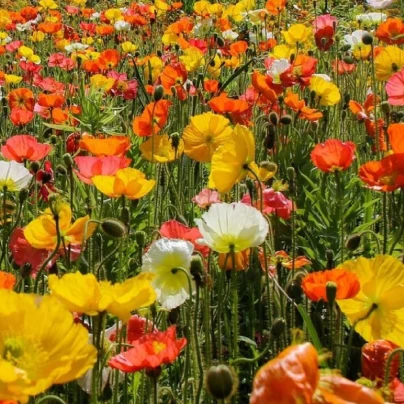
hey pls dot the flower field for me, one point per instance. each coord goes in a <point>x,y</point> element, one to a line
<point>202,202</point>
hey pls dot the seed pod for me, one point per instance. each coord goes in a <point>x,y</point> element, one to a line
<point>114,228</point>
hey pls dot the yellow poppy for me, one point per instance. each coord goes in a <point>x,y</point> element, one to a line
<point>232,161</point>
<point>160,149</point>
<point>389,61</point>
<point>41,232</point>
<point>297,34</point>
<point>192,59</point>
<point>84,294</point>
<point>101,82</point>
<point>127,182</point>
<point>327,93</point>
<point>40,345</point>
<point>378,309</point>
<point>204,135</point>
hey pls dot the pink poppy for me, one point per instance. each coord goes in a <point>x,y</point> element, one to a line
<point>24,147</point>
<point>176,230</point>
<point>89,166</point>
<point>14,46</point>
<point>395,89</point>
<point>205,198</point>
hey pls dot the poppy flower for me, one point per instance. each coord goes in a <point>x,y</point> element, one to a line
<point>152,119</point>
<point>89,166</point>
<point>389,61</point>
<point>41,232</point>
<point>176,230</point>
<point>160,149</point>
<point>396,137</point>
<point>385,175</point>
<point>324,31</point>
<point>333,155</point>
<point>315,284</point>
<point>150,352</point>
<point>173,75</point>
<point>21,117</point>
<point>296,34</point>
<point>109,59</point>
<point>232,227</point>
<point>21,98</point>
<point>293,376</point>
<point>261,84</point>
<point>391,31</point>
<point>236,108</point>
<point>204,135</point>
<point>275,7</point>
<point>374,359</point>
<point>110,146</point>
<point>127,182</point>
<point>13,176</point>
<point>395,89</point>
<point>7,280</point>
<point>24,147</point>
<point>136,328</point>
<point>161,260</point>
<point>85,294</point>
<point>239,261</point>
<point>205,198</point>
<point>327,93</point>
<point>378,308</point>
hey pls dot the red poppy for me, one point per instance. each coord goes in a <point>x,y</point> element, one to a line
<point>20,117</point>
<point>384,175</point>
<point>24,147</point>
<point>152,119</point>
<point>109,59</point>
<point>150,352</point>
<point>333,155</point>
<point>342,67</point>
<point>374,358</point>
<point>238,109</point>
<point>89,166</point>
<point>45,179</point>
<point>177,230</point>
<point>21,98</point>
<point>324,31</point>
<point>136,328</point>
<point>315,284</point>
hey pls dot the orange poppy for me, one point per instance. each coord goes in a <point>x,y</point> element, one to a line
<point>294,103</point>
<point>109,59</point>
<point>24,147</point>
<point>275,7</point>
<point>29,13</point>
<point>21,98</point>
<point>51,100</point>
<point>391,31</point>
<point>333,155</point>
<point>7,280</point>
<point>315,284</point>
<point>20,117</point>
<point>173,75</point>
<point>211,86</point>
<point>225,105</point>
<point>183,25</point>
<point>238,48</point>
<point>241,260</point>
<point>49,27</point>
<point>152,119</point>
<point>293,377</point>
<point>104,30</point>
<point>396,137</point>
<point>384,175</point>
<point>111,146</point>
<point>260,83</point>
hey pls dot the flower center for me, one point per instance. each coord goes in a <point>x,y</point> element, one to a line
<point>13,350</point>
<point>158,347</point>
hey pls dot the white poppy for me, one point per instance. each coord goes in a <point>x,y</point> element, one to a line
<point>122,25</point>
<point>229,35</point>
<point>76,47</point>
<point>278,66</point>
<point>13,176</point>
<point>379,4</point>
<point>162,259</point>
<point>355,39</point>
<point>371,18</point>
<point>232,227</point>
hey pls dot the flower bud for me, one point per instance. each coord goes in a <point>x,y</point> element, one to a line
<point>269,166</point>
<point>221,382</point>
<point>291,173</point>
<point>331,292</point>
<point>294,290</point>
<point>286,120</point>
<point>55,204</point>
<point>61,170</point>
<point>23,195</point>
<point>329,255</point>
<point>140,237</point>
<point>345,48</point>
<point>274,118</point>
<point>220,42</point>
<point>386,108</point>
<point>367,39</point>
<point>34,166</point>
<point>68,160</point>
<point>278,327</point>
<point>353,242</point>
<point>53,139</point>
<point>26,270</point>
<point>349,60</point>
<point>114,228</point>
<point>196,270</point>
<point>175,140</point>
<point>158,93</point>
<point>125,216</point>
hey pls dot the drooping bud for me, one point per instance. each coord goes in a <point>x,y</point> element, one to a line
<point>274,118</point>
<point>114,228</point>
<point>286,120</point>
<point>221,382</point>
<point>140,237</point>
<point>278,327</point>
<point>353,242</point>
<point>196,270</point>
<point>367,38</point>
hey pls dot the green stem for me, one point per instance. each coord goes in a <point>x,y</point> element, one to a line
<point>50,398</point>
<point>197,347</point>
<point>388,364</point>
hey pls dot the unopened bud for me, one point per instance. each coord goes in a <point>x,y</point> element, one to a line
<point>329,255</point>
<point>114,228</point>
<point>158,93</point>
<point>386,108</point>
<point>140,237</point>
<point>278,327</point>
<point>274,118</point>
<point>175,140</point>
<point>61,170</point>
<point>269,166</point>
<point>367,39</point>
<point>331,292</point>
<point>34,166</point>
<point>345,48</point>
<point>196,270</point>
<point>220,42</point>
<point>23,195</point>
<point>353,242</point>
<point>68,160</point>
<point>286,120</point>
<point>291,173</point>
<point>221,382</point>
